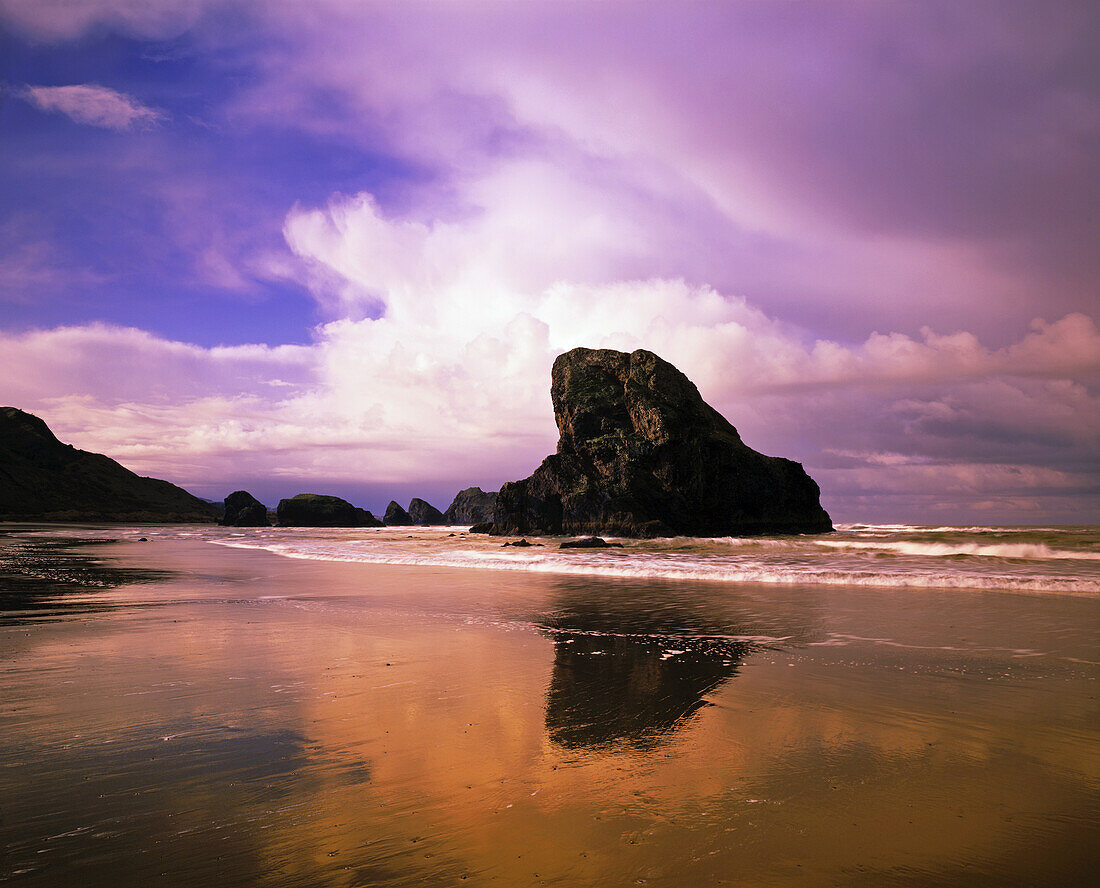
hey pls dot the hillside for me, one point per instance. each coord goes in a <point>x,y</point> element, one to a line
<point>42,479</point>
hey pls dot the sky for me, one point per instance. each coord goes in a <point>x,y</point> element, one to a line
<point>334,246</point>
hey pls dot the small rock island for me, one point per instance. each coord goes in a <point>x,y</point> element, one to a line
<point>641,454</point>
<point>424,513</point>
<point>471,506</point>
<point>396,516</point>
<point>242,509</point>
<point>319,510</point>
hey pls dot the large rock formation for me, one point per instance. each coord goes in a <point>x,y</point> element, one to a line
<point>423,512</point>
<point>642,455</point>
<point>396,516</point>
<point>471,506</point>
<point>318,510</point>
<point>42,479</point>
<point>242,509</point>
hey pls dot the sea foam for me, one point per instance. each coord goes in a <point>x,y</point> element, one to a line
<point>777,566</point>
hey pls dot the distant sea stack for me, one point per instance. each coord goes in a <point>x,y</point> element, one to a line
<point>396,516</point>
<point>242,509</point>
<point>424,513</point>
<point>642,455</point>
<point>318,510</point>
<point>42,479</point>
<point>471,506</point>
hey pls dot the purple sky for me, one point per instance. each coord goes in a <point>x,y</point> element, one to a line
<point>334,246</point>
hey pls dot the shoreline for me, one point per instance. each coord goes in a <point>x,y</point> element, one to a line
<point>941,608</point>
<point>248,718</point>
<point>1041,561</point>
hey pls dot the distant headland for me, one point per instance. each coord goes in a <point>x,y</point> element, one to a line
<point>42,479</point>
<point>640,455</point>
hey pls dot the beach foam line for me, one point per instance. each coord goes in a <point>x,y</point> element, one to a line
<point>643,566</point>
<point>944,528</point>
<point>1026,551</point>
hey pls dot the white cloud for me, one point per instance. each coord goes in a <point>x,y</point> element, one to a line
<point>582,191</point>
<point>818,196</point>
<point>113,365</point>
<point>825,199</point>
<point>94,105</point>
<point>444,284</point>
<point>448,384</point>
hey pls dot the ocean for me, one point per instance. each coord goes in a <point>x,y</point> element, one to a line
<point>885,705</point>
<point>1022,559</point>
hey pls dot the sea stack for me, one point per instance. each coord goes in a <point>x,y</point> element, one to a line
<point>318,510</point>
<point>471,506</point>
<point>396,516</point>
<point>242,509</point>
<point>424,513</point>
<point>42,479</point>
<point>642,455</point>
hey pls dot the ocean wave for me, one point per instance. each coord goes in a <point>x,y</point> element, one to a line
<point>945,528</point>
<point>1029,551</point>
<point>657,566</point>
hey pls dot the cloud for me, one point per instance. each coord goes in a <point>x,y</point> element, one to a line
<point>69,19</point>
<point>838,220</point>
<point>32,267</point>
<point>531,246</point>
<point>891,162</point>
<point>870,164</point>
<point>93,105</point>
<point>445,382</point>
<point>115,365</point>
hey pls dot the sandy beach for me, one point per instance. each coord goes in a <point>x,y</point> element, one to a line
<point>181,713</point>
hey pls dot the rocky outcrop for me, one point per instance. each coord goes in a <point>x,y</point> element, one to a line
<point>642,455</point>
<point>318,510</point>
<point>42,479</point>
<point>482,527</point>
<point>424,513</point>
<point>590,543</point>
<point>396,516</point>
<point>242,509</point>
<point>471,506</point>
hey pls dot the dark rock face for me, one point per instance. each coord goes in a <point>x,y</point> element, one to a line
<point>396,516</point>
<point>635,694</point>
<point>42,479</point>
<point>612,688</point>
<point>642,455</point>
<point>242,509</point>
<point>590,543</point>
<point>471,506</point>
<point>424,513</point>
<point>482,527</point>
<point>318,510</point>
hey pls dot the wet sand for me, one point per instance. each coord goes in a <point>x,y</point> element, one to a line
<point>209,716</point>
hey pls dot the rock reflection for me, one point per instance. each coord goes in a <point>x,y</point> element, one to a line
<point>629,689</point>
<point>38,574</point>
<point>633,669</point>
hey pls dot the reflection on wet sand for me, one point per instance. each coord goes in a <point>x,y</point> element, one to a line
<point>610,689</point>
<point>302,723</point>
<point>44,575</point>
<point>635,674</point>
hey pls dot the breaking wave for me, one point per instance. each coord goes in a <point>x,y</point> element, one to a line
<point>809,561</point>
<point>1038,551</point>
